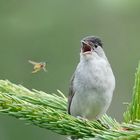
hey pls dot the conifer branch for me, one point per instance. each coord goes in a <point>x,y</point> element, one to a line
<point>49,111</point>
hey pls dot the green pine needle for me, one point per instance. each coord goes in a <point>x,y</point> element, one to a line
<point>133,111</point>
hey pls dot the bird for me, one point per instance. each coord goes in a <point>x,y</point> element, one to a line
<point>93,82</point>
<point>38,66</point>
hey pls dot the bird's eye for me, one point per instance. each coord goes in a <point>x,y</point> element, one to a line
<point>95,45</point>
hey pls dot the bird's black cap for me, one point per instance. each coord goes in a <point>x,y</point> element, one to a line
<point>94,40</point>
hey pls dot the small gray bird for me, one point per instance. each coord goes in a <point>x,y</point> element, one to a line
<point>92,83</point>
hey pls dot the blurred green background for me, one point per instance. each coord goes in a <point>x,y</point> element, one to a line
<point>50,30</point>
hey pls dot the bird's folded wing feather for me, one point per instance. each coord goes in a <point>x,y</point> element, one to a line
<point>71,93</point>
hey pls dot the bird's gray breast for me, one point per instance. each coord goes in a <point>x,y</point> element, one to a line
<point>93,87</point>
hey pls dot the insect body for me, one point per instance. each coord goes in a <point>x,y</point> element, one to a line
<point>38,66</point>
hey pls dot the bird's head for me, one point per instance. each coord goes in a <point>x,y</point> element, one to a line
<point>91,46</point>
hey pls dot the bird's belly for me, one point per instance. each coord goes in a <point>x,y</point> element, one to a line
<point>89,105</point>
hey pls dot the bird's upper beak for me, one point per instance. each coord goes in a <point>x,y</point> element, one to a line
<point>86,47</point>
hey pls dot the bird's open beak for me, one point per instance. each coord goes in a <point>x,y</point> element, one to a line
<point>86,47</point>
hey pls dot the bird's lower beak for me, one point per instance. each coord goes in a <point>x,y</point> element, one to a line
<point>86,47</point>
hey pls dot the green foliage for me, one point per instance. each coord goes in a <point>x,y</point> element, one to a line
<point>133,112</point>
<point>49,111</point>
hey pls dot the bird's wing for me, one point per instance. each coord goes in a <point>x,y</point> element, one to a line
<point>71,93</point>
<point>32,62</point>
